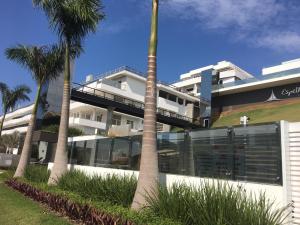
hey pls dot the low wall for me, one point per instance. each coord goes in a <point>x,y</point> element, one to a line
<point>273,192</point>
<point>9,160</point>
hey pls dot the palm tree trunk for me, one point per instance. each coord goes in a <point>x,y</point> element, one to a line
<point>148,176</point>
<point>61,155</point>
<point>2,122</point>
<point>26,150</point>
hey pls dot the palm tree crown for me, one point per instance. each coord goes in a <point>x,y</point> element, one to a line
<point>44,63</point>
<point>11,97</point>
<point>72,19</point>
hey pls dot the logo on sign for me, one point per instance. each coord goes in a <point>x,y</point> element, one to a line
<point>291,92</point>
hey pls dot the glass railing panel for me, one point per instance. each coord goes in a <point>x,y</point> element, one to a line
<point>251,153</point>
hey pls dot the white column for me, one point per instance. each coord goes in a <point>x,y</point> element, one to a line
<point>109,116</point>
<point>286,179</point>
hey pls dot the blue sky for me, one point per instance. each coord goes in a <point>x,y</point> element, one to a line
<point>192,33</point>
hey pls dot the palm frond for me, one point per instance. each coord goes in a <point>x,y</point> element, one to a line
<point>11,97</point>
<point>18,94</point>
<point>72,19</point>
<point>44,62</point>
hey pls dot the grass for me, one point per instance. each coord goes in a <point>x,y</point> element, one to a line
<point>267,112</point>
<point>19,210</point>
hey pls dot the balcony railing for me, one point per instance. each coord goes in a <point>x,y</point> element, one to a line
<point>126,101</point>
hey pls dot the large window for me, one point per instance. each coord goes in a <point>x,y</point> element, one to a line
<point>116,120</point>
<point>131,123</point>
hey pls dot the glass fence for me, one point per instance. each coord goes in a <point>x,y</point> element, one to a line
<point>251,153</point>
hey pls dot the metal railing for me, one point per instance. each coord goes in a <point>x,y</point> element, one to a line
<point>126,101</point>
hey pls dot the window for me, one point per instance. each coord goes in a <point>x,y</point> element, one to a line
<point>180,101</point>
<point>87,116</point>
<point>189,89</point>
<point>99,117</point>
<point>163,94</point>
<point>116,120</point>
<point>131,123</point>
<point>172,98</point>
<point>76,114</point>
<point>188,102</point>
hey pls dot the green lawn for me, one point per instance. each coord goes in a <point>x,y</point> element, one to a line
<point>15,209</point>
<point>289,112</point>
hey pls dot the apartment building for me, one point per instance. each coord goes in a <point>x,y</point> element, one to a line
<point>112,103</point>
<point>123,84</point>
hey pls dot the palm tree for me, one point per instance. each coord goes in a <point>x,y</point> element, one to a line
<point>72,20</point>
<point>11,97</point>
<point>148,176</point>
<point>45,64</point>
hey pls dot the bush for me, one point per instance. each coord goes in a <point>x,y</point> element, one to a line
<point>72,131</point>
<point>112,188</point>
<point>37,173</point>
<point>218,204</point>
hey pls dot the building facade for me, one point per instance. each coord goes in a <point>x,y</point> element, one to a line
<point>199,97</point>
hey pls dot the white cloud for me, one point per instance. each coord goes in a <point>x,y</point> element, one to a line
<point>281,41</point>
<point>263,23</point>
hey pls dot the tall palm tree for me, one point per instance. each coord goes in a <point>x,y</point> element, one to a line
<point>72,20</point>
<point>11,97</point>
<point>148,176</point>
<point>45,64</point>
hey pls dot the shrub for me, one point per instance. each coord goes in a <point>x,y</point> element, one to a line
<point>37,173</point>
<point>114,189</point>
<point>72,131</point>
<point>218,204</point>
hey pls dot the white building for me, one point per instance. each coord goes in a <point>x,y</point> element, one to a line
<point>121,83</point>
<point>225,72</point>
<point>192,97</point>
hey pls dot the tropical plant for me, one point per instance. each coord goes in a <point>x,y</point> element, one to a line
<point>10,141</point>
<point>45,64</point>
<point>37,173</point>
<point>111,188</point>
<point>215,203</point>
<point>11,97</point>
<point>148,176</point>
<point>72,20</point>
<point>72,131</point>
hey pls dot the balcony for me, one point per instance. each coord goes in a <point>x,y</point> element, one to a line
<point>73,121</point>
<point>17,122</point>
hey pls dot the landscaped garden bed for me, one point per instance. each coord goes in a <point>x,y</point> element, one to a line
<point>106,200</point>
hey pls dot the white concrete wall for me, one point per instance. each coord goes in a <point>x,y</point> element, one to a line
<point>136,86</point>
<point>171,106</point>
<point>273,192</point>
<point>291,166</point>
<point>288,65</point>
